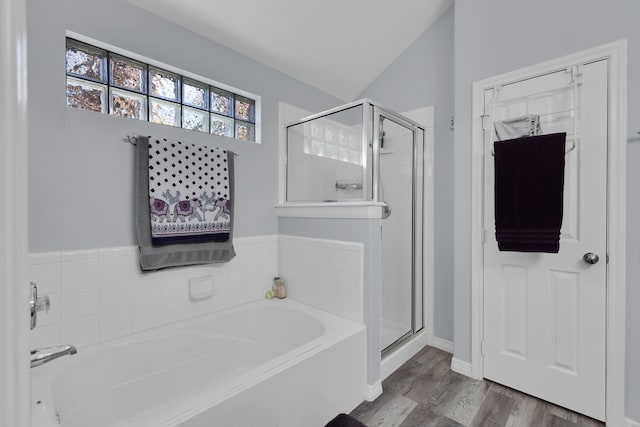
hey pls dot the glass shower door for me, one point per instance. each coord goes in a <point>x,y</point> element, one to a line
<point>399,181</point>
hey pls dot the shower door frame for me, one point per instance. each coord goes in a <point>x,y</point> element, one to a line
<point>417,212</point>
<point>367,111</point>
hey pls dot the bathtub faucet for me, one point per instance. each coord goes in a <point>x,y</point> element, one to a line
<point>40,356</point>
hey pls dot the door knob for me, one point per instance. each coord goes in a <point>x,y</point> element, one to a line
<point>591,258</point>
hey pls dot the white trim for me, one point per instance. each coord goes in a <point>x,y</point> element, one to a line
<point>372,392</point>
<point>365,210</point>
<point>403,353</point>
<point>14,283</point>
<point>616,208</point>
<point>628,422</point>
<point>462,367</point>
<point>442,344</point>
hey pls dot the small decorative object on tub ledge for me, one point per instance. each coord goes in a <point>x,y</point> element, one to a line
<point>279,289</point>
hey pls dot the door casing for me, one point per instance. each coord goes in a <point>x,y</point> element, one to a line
<point>616,209</point>
<point>14,283</point>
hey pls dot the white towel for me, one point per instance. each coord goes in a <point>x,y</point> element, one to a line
<point>517,127</point>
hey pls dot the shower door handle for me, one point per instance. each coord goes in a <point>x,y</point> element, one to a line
<point>386,210</point>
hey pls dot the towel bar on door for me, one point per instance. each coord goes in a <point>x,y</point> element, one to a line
<point>573,146</point>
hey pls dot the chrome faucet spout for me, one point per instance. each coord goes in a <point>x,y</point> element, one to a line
<point>40,356</point>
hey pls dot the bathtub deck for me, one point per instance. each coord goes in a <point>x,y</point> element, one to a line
<point>425,392</point>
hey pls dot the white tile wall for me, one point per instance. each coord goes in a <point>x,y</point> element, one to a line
<point>97,295</point>
<point>325,274</point>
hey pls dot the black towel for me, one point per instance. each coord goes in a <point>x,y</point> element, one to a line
<point>529,186</point>
<point>344,420</point>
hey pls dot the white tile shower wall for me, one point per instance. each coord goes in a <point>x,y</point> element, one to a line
<point>97,295</point>
<point>324,274</point>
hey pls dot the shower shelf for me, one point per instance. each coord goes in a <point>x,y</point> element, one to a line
<point>348,185</point>
<point>353,209</point>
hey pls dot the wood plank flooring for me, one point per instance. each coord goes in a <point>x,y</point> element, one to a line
<point>424,392</point>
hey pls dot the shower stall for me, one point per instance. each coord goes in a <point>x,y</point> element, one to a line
<point>363,153</point>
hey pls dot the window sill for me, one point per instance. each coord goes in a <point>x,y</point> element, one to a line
<point>361,210</point>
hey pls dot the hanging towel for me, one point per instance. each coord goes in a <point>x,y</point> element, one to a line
<point>184,203</point>
<point>516,127</point>
<point>529,186</point>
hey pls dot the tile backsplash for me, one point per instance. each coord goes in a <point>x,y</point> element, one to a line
<point>97,295</point>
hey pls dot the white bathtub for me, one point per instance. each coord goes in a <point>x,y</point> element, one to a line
<point>267,363</point>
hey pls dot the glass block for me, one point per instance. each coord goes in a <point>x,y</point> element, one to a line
<point>330,134</point>
<point>127,73</point>
<point>164,84</point>
<point>355,157</point>
<point>164,113</point>
<point>86,95</point>
<point>355,141</point>
<point>221,102</point>
<point>86,61</point>
<point>343,154</point>
<point>195,119</point>
<point>317,147</point>
<point>317,130</point>
<point>128,104</point>
<point>222,126</point>
<point>343,138</point>
<point>331,150</point>
<point>195,94</point>
<point>245,109</point>
<point>245,131</point>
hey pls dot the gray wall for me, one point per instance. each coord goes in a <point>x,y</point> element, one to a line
<point>367,232</point>
<point>497,36</point>
<point>81,174</point>
<point>421,76</point>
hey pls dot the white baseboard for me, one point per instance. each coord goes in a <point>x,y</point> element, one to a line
<point>442,344</point>
<point>628,422</point>
<point>371,392</point>
<point>461,367</point>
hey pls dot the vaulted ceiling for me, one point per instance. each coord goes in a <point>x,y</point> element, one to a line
<point>337,46</point>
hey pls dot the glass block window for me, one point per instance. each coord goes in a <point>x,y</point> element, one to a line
<point>110,83</point>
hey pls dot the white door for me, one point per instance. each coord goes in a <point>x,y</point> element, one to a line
<point>544,314</point>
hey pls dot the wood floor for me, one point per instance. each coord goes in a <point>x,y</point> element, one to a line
<point>425,392</point>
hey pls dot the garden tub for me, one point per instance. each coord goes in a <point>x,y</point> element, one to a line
<point>265,363</point>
